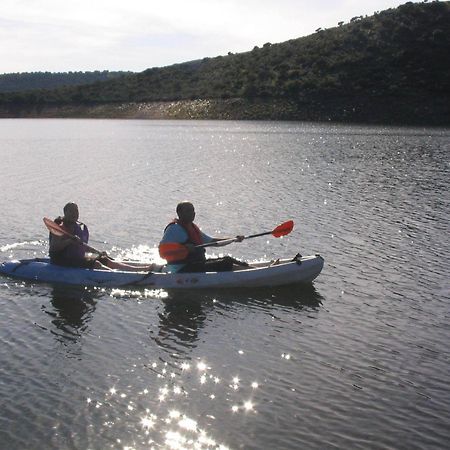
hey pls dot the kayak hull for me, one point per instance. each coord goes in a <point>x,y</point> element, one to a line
<point>262,274</point>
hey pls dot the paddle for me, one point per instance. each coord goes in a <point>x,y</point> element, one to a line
<point>55,229</point>
<point>173,251</point>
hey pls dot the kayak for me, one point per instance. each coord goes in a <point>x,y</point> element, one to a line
<point>301,269</point>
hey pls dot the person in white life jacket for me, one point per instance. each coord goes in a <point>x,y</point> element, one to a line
<point>184,231</point>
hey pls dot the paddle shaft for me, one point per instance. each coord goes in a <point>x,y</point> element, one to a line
<point>88,247</point>
<point>79,241</point>
<point>257,235</point>
<point>224,242</point>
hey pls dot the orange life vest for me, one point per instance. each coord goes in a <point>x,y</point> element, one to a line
<point>194,237</point>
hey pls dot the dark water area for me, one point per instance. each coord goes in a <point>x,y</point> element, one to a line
<point>360,359</point>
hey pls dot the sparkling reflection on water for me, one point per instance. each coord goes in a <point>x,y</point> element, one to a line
<point>360,360</point>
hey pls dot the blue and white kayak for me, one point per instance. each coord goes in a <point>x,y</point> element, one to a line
<point>260,274</point>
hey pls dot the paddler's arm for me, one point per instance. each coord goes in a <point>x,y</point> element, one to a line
<point>208,239</point>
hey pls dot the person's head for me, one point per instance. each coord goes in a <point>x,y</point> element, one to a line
<point>71,212</point>
<point>186,212</point>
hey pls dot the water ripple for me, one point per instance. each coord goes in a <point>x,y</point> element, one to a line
<point>358,361</point>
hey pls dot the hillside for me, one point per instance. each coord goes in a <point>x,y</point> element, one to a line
<point>392,66</point>
<point>13,82</point>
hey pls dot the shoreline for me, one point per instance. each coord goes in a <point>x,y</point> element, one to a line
<point>411,111</point>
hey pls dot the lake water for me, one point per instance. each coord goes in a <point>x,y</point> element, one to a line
<point>358,360</point>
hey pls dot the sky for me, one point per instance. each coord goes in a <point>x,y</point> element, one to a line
<point>85,35</point>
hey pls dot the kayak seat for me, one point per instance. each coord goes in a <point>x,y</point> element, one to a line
<point>297,258</point>
<point>158,267</point>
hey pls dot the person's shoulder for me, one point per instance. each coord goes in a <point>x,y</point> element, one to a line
<point>172,224</point>
<point>175,227</point>
<point>174,232</point>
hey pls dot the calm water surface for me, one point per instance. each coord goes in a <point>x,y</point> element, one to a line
<point>359,360</point>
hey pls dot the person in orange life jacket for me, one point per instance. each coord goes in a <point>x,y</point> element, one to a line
<point>184,231</point>
<point>69,252</point>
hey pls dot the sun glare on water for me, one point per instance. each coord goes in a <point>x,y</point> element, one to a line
<point>161,408</point>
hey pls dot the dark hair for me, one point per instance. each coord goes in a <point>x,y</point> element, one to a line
<point>182,205</point>
<point>68,205</point>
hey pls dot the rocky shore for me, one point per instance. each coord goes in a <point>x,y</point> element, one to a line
<point>410,111</point>
<point>214,109</point>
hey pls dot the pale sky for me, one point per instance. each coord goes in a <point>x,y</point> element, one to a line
<point>73,35</point>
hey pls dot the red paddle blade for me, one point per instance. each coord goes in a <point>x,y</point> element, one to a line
<point>54,228</point>
<point>172,251</point>
<point>283,229</point>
